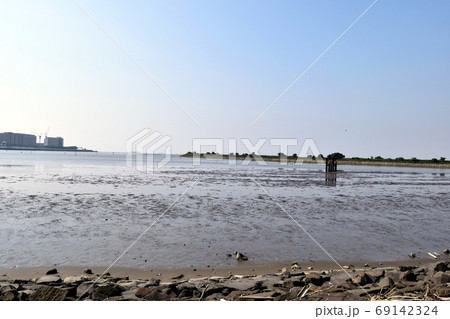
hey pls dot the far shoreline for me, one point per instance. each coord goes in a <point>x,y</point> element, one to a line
<point>343,162</point>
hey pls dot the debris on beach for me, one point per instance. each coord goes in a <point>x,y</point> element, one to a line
<point>434,255</point>
<point>240,256</point>
<point>412,255</point>
<point>295,266</point>
<point>446,251</point>
<point>87,271</point>
<point>425,282</point>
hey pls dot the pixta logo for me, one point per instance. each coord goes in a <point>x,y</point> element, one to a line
<point>147,151</point>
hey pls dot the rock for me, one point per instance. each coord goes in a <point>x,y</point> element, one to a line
<point>51,271</point>
<point>178,277</point>
<point>343,283</point>
<point>127,284</point>
<point>385,282</point>
<point>151,294</point>
<point>442,266</point>
<point>407,275</point>
<point>152,283</point>
<point>405,268</point>
<point>293,283</point>
<point>441,278</point>
<point>87,271</point>
<point>412,255</point>
<point>218,278</point>
<point>375,275</point>
<point>74,280</point>
<point>285,272</point>
<point>362,279</point>
<point>313,278</point>
<point>8,288</point>
<point>52,294</point>
<point>259,285</point>
<point>49,280</point>
<point>240,256</point>
<point>23,296</point>
<point>85,289</point>
<point>446,251</point>
<point>10,296</point>
<point>106,291</point>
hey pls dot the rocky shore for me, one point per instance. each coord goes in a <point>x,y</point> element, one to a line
<point>425,282</point>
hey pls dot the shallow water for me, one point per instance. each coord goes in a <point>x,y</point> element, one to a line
<point>87,209</point>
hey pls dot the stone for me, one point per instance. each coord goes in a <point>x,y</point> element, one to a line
<point>107,291</point>
<point>127,284</point>
<point>375,275</point>
<point>7,288</point>
<point>407,275</point>
<point>406,268</point>
<point>343,283</point>
<point>446,251</point>
<point>49,280</point>
<point>154,294</point>
<point>51,271</point>
<point>293,283</point>
<point>87,271</point>
<point>52,294</point>
<point>443,266</point>
<point>219,278</point>
<point>240,256</point>
<point>178,277</point>
<point>385,282</point>
<point>441,278</point>
<point>314,278</point>
<point>74,280</point>
<point>362,279</point>
<point>10,296</point>
<point>23,296</point>
<point>412,255</point>
<point>152,283</point>
<point>85,289</point>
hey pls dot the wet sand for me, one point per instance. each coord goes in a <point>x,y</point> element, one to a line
<point>166,274</point>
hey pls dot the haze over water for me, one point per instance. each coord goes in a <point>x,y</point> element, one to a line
<point>86,209</point>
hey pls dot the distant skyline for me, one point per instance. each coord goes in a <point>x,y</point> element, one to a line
<point>382,90</point>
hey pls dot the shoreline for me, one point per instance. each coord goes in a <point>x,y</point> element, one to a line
<point>268,158</point>
<point>166,273</point>
<point>400,280</point>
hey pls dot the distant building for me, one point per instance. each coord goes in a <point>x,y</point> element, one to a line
<point>17,139</point>
<point>54,142</point>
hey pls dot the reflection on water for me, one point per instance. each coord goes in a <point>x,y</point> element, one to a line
<point>330,178</point>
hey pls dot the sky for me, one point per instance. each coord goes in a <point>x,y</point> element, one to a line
<point>383,89</point>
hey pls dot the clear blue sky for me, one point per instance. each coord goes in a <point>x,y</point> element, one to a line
<point>383,89</point>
